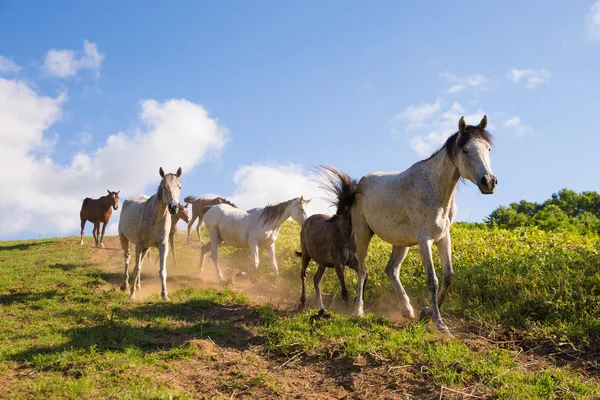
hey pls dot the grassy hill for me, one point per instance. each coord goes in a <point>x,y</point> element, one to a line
<point>524,308</point>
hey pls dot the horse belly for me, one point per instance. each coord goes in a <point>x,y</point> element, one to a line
<point>394,228</point>
<point>233,237</point>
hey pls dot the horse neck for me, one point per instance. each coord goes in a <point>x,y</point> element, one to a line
<point>159,206</point>
<point>106,203</point>
<point>276,224</point>
<point>444,176</point>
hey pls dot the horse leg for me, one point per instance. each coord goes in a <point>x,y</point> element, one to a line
<point>145,255</point>
<point>254,256</point>
<point>339,270</point>
<point>102,235</point>
<point>363,235</point>
<point>445,252</point>
<point>137,270</point>
<point>392,270</point>
<point>317,282</point>
<point>82,217</point>
<point>303,273</point>
<point>432,284</point>
<point>172,247</point>
<point>96,233</point>
<point>189,227</point>
<point>215,257</point>
<point>127,255</point>
<point>271,253</point>
<point>200,223</point>
<point>163,250</point>
<point>203,250</point>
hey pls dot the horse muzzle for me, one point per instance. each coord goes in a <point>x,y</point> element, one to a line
<point>488,184</point>
<point>173,209</point>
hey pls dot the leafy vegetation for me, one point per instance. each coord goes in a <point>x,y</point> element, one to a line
<point>565,210</point>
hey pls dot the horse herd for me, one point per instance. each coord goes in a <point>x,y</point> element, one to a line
<point>413,207</point>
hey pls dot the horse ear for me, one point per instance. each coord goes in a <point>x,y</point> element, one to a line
<point>118,191</point>
<point>108,191</point>
<point>186,205</point>
<point>302,199</point>
<point>161,172</point>
<point>483,123</point>
<point>461,124</point>
<point>307,201</point>
<point>179,172</point>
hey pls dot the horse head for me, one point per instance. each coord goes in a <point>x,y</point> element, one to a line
<point>299,210</point>
<point>114,198</point>
<point>170,190</point>
<point>471,153</point>
<point>182,213</point>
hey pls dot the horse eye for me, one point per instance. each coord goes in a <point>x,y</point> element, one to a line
<point>465,151</point>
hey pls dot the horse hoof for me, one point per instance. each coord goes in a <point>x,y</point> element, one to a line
<point>425,314</point>
<point>166,298</point>
<point>102,245</point>
<point>443,329</point>
<point>124,287</point>
<point>359,313</point>
<point>408,312</point>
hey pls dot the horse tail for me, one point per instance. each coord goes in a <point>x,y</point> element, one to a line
<point>298,253</point>
<point>342,186</point>
<point>190,199</point>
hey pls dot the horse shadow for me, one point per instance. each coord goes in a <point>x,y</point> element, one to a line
<point>142,328</point>
<point>26,297</point>
<point>23,246</point>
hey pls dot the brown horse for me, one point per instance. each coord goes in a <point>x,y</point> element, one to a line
<point>98,211</point>
<point>199,207</point>
<point>327,240</point>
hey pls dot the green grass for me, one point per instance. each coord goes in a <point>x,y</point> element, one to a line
<point>63,336</point>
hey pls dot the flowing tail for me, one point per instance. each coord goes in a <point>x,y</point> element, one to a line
<point>190,199</point>
<point>341,185</point>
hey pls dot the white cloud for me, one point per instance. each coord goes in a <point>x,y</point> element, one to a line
<point>593,22</point>
<point>82,139</point>
<point>426,134</point>
<point>66,63</point>
<point>530,77</point>
<point>417,115</point>
<point>518,126</point>
<point>260,184</point>
<point>8,66</point>
<point>475,81</point>
<point>43,196</point>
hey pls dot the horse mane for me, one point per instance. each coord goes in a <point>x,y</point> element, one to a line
<point>160,189</point>
<point>225,201</point>
<point>456,142</point>
<point>273,212</point>
<point>341,186</point>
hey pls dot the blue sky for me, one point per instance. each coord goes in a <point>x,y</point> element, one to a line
<point>246,96</point>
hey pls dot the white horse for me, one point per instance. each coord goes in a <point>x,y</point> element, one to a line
<point>254,228</point>
<point>146,222</point>
<point>416,207</point>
